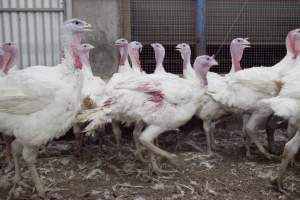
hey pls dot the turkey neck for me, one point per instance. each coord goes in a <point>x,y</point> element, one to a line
<point>291,47</point>
<point>236,56</point>
<point>72,42</point>
<point>9,60</point>
<point>203,75</point>
<point>159,57</point>
<point>124,54</point>
<point>85,60</point>
<point>186,62</point>
<point>135,59</point>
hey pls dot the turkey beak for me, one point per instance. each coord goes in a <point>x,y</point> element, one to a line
<point>92,47</point>
<point>246,43</point>
<point>117,44</point>
<point>213,61</point>
<point>141,48</point>
<point>87,27</point>
<point>178,47</point>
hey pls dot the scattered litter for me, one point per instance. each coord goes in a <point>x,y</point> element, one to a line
<point>158,186</point>
<point>94,173</point>
<point>209,189</point>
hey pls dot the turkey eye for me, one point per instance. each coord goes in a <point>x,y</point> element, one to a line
<point>207,59</point>
<point>157,45</point>
<point>77,22</point>
<point>183,45</point>
<point>122,40</point>
<point>9,44</point>
<point>239,40</point>
<point>298,31</point>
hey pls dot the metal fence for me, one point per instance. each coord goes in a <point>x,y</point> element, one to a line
<point>265,22</point>
<point>35,26</point>
<point>168,22</point>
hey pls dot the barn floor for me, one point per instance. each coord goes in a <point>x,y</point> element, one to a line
<point>116,174</point>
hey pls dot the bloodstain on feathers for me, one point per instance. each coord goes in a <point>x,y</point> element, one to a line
<point>108,102</point>
<point>155,95</point>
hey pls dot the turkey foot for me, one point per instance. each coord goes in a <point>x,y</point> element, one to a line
<point>155,166</point>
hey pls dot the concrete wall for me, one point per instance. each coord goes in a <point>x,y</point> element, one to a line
<point>104,15</point>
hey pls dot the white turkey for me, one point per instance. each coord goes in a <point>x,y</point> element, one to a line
<point>93,89</point>
<point>8,60</point>
<point>163,102</point>
<point>39,103</point>
<point>185,52</point>
<point>245,88</point>
<point>124,73</point>
<point>287,106</point>
<point>210,110</point>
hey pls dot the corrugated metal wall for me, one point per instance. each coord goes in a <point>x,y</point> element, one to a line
<point>35,26</point>
<point>169,22</point>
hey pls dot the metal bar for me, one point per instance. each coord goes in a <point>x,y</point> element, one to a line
<point>59,22</point>
<point>20,38</point>
<point>2,22</point>
<point>27,36</point>
<point>44,34</point>
<point>67,9</point>
<point>31,10</point>
<point>51,34</point>
<point>35,35</point>
<point>200,25</point>
<point>10,24</point>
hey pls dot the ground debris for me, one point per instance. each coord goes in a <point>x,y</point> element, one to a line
<point>116,174</point>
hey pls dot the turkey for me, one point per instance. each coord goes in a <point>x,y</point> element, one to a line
<point>93,89</point>
<point>210,110</point>
<point>185,52</point>
<point>287,106</point>
<point>163,102</point>
<point>245,88</point>
<point>8,60</point>
<point>125,73</point>
<point>39,103</point>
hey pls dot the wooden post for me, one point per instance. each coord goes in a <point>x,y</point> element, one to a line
<point>125,19</point>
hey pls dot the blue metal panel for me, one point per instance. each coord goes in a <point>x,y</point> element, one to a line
<point>200,23</point>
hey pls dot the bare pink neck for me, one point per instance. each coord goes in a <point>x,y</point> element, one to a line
<point>186,61</point>
<point>9,60</point>
<point>75,45</point>
<point>236,65</point>
<point>236,56</point>
<point>85,58</point>
<point>124,54</point>
<point>291,46</point>
<point>135,59</point>
<point>204,77</point>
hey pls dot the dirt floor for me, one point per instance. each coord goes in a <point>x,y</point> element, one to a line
<point>105,172</point>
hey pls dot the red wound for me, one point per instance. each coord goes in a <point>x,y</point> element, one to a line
<point>78,64</point>
<point>155,95</point>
